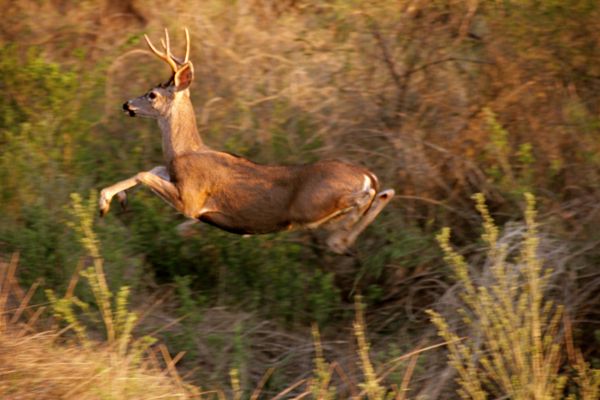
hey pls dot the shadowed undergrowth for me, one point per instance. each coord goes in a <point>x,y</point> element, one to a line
<point>510,340</point>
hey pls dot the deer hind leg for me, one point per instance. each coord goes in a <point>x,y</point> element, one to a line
<point>186,229</point>
<point>342,238</point>
<point>357,204</point>
<point>157,179</point>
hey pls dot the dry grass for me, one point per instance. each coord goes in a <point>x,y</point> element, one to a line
<point>54,365</point>
<point>48,365</point>
<point>51,365</point>
<point>37,366</point>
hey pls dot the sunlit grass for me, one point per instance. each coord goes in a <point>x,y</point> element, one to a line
<point>516,343</point>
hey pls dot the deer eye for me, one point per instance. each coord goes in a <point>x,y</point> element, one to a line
<point>152,95</point>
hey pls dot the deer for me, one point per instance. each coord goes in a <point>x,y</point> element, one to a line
<point>233,193</point>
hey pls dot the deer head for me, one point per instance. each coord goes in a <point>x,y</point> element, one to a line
<point>159,101</point>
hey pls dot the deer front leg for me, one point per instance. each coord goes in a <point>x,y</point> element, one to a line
<point>157,179</point>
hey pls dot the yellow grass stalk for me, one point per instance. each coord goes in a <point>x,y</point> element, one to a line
<point>514,349</point>
<point>371,385</point>
<point>322,372</point>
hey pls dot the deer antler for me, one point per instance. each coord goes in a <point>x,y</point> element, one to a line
<point>173,61</point>
<point>167,48</point>
<point>187,45</point>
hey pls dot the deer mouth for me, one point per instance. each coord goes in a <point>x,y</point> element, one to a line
<point>128,109</point>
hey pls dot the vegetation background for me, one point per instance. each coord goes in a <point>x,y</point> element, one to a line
<point>442,99</point>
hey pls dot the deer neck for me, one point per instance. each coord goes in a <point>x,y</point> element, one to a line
<point>179,131</point>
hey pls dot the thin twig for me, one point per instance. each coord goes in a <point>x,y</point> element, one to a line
<point>25,301</point>
<point>262,383</point>
<point>406,379</point>
<point>289,389</point>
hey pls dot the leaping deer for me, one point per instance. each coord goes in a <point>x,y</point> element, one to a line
<point>236,194</point>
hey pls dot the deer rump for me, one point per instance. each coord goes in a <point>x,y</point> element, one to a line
<point>243,197</point>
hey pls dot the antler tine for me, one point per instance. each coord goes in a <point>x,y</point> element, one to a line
<point>169,54</point>
<point>168,46</point>
<point>160,54</point>
<point>187,45</point>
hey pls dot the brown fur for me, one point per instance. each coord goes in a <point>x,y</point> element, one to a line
<point>254,198</point>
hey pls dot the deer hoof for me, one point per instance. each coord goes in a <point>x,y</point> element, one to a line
<point>387,194</point>
<point>104,203</point>
<point>122,199</point>
<point>338,244</point>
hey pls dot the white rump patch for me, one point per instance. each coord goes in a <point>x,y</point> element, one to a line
<point>367,184</point>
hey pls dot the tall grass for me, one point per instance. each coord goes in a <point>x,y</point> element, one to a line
<point>517,336</point>
<point>50,365</point>
<point>514,347</point>
<point>118,321</point>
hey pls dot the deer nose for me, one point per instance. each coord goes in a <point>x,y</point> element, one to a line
<point>128,110</point>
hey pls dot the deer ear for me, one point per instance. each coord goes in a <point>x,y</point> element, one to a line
<point>184,77</point>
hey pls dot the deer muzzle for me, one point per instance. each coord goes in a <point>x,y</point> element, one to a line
<point>128,109</point>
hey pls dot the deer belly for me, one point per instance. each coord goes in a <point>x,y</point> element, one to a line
<point>241,226</point>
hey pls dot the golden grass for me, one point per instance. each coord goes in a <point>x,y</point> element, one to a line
<point>516,351</point>
<point>50,365</point>
<point>46,365</point>
<point>37,366</point>
<point>515,346</point>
